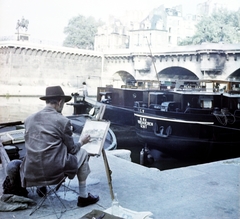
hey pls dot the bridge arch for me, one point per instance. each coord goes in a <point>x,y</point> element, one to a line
<point>235,75</point>
<point>176,73</point>
<point>121,78</point>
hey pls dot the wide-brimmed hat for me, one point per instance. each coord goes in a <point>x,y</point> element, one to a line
<point>55,91</point>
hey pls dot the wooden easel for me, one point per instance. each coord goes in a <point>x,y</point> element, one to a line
<point>107,168</point>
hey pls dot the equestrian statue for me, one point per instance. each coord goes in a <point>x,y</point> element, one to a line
<point>22,24</point>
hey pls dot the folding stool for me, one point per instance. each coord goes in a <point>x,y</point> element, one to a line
<point>52,189</point>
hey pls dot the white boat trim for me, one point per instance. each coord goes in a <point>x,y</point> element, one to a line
<point>173,120</point>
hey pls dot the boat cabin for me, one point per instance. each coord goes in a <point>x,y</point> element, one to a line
<point>121,97</point>
<point>190,101</point>
<point>155,100</point>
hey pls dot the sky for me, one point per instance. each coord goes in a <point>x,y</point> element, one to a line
<point>47,18</point>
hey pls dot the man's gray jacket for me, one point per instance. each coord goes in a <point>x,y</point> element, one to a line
<point>50,149</point>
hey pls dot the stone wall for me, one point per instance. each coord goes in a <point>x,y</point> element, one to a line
<point>27,69</point>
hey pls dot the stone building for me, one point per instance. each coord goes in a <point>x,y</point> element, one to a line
<point>161,27</point>
<point>112,35</point>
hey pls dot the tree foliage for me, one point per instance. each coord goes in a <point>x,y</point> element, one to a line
<point>81,32</point>
<point>221,26</point>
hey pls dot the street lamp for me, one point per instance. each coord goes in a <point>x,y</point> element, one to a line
<point>77,81</point>
<point>221,34</point>
<point>18,26</point>
<point>204,35</point>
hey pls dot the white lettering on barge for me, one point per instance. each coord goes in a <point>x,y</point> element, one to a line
<point>144,123</point>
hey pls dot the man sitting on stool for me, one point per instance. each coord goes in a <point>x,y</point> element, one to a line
<point>51,152</point>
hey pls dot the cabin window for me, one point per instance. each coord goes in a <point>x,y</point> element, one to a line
<point>140,84</point>
<point>206,104</point>
<point>157,98</point>
<point>206,101</point>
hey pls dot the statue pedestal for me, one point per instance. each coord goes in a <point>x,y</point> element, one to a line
<point>22,36</point>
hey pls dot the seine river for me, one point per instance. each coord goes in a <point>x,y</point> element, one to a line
<point>19,108</point>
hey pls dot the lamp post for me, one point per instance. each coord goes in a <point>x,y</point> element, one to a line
<point>18,26</point>
<point>204,35</point>
<point>221,34</point>
<point>77,81</point>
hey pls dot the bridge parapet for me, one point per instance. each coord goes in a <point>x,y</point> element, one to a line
<point>44,49</point>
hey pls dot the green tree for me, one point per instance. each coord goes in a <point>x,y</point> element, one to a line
<point>81,32</point>
<point>221,26</point>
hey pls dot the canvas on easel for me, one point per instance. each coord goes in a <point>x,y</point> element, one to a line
<point>98,131</point>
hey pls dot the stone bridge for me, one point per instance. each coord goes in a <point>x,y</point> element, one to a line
<point>30,66</point>
<point>206,61</point>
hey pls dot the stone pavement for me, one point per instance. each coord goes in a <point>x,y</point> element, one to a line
<point>207,191</point>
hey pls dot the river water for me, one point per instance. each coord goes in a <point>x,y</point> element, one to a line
<point>19,108</point>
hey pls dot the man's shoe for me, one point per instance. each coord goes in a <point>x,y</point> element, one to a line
<point>91,199</point>
<point>42,191</point>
